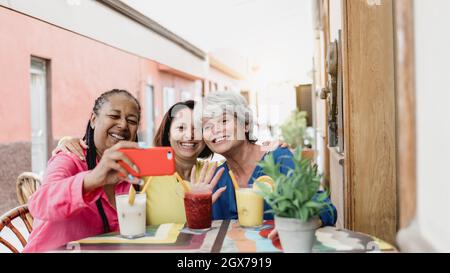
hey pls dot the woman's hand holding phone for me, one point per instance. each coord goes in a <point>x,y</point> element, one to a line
<point>108,171</point>
<point>157,161</point>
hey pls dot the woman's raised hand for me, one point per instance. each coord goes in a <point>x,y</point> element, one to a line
<point>207,180</point>
<point>108,171</point>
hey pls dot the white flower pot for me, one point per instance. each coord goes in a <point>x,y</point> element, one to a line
<point>297,236</point>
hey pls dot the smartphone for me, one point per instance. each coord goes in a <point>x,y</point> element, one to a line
<point>158,161</point>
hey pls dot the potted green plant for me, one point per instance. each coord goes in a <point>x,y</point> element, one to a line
<point>295,202</point>
<point>294,131</point>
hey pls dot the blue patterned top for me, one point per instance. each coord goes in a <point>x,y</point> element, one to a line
<point>225,207</point>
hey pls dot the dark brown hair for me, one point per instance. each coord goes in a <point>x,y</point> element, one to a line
<point>162,135</point>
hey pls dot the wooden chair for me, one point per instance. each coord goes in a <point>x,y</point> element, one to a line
<point>27,183</point>
<point>6,221</point>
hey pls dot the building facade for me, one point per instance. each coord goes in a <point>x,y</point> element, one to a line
<point>57,57</point>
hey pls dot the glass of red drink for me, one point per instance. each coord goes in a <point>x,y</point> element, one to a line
<point>198,209</point>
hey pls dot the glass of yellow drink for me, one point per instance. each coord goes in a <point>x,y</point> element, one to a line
<point>250,207</point>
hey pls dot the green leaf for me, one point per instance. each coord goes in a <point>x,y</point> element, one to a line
<point>299,195</point>
<point>313,204</point>
<point>293,130</point>
<point>283,205</point>
<point>294,195</point>
<point>322,197</point>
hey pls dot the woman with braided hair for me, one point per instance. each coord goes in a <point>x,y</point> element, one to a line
<point>77,197</point>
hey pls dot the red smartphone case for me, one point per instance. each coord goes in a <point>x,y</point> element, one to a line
<point>158,161</point>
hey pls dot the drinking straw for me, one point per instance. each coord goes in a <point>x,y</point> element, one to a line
<point>144,188</point>
<point>233,179</point>
<point>182,182</point>
<point>131,195</point>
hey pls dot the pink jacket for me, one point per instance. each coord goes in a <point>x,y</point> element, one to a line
<point>62,213</point>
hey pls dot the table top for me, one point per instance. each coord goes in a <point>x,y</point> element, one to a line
<point>224,237</point>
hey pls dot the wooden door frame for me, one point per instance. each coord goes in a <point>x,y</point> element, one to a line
<point>348,192</point>
<point>324,19</point>
<point>326,35</point>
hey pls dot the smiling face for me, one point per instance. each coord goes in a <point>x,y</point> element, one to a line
<point>223,133</point>
<point>117,120</point>
<point>186,142</point>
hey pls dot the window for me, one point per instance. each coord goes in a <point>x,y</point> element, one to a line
<point>149,114</point>
<point>39,99</point>
<point>169,98</point>
<point>246,95</point>
<point>186,95</point>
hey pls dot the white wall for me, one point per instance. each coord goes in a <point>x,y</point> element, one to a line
<point>94,20</point>
<point>222,79</point>
<point>335,19</point>
<point>433,120</point>
<point>276,102</point>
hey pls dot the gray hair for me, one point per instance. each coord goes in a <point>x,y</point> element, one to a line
<point>219,102</point>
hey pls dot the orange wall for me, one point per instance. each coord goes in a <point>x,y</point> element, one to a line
<point>81,69</point>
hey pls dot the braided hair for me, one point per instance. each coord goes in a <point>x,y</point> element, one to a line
<point>91,157</point>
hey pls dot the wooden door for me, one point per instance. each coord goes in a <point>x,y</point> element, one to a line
<point>304,100</point>
<point>369,117</point>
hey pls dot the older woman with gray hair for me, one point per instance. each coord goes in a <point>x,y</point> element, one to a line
<point>227,124</point>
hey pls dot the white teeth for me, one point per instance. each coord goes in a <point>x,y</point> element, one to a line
<point>220,139</point>
<point>117,136</point>
<point>190,145</point>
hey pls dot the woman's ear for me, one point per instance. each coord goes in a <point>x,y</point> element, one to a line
<point>93,121</point>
